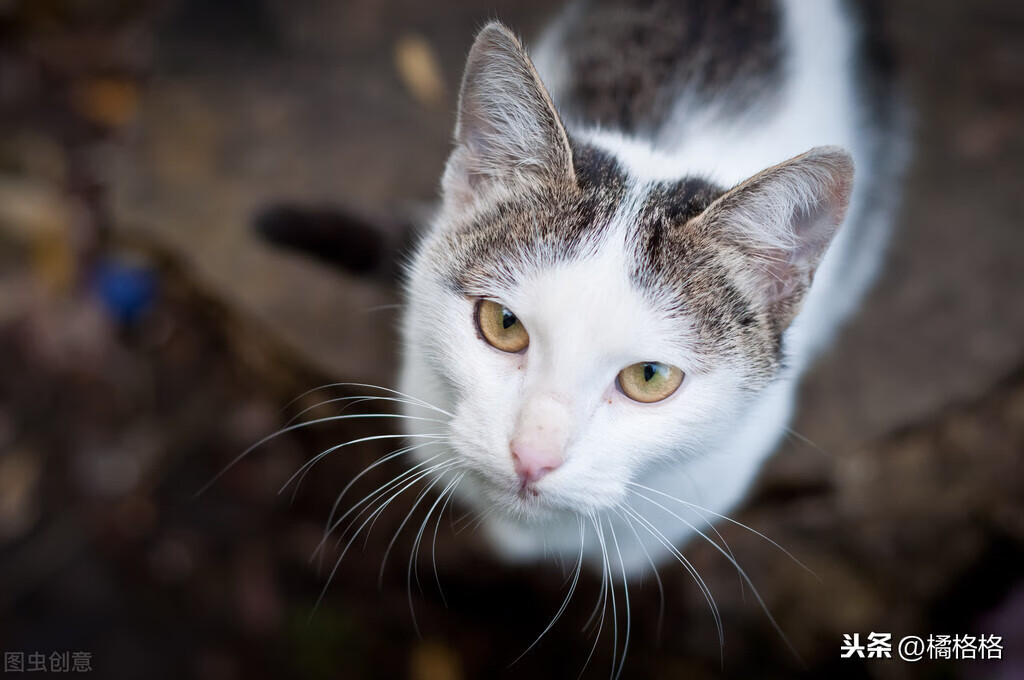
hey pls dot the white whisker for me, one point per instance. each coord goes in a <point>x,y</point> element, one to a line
<point>807,441</point>
<point>414,552</point>
<point>602,600</point>
<point>371,518</point>
<point>317,458</point>
<point>625,595</point>
<point>565,602</point>
<point>433,543</point>
<point>412,399</point>
<point>704,589</point>
<point>760,600</point>
<point>337,562</point>
<point>380,461</point>
<point>292,428</point>
<point>409,482</point>
<point>699,509</point>
<point>357,399</point>
<point>374,496</point>
<point>654,568</point>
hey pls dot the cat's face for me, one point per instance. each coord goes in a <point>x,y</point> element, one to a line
<point>582,327</point>
<point>566,379</point>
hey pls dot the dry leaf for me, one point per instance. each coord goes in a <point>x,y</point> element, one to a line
<point>111,102</point>
<point>434,661</point>
<point>419,70</point>
<point>30,210</point>
<point>20,472</point>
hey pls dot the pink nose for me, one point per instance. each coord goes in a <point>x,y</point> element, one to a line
<point>533,462</point>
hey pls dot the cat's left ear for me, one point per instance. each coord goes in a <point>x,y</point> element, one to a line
<point>781,221</point>
<point>508,133</point>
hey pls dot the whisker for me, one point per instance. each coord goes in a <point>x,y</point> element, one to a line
<point>760,600</point>
<point>329,525</point>
<point>433,543</point>
<point>376,513</point>
<point>602,601</point>
<point>654,568</point>
<point>317,458</point>
<point>700,509</point>
<point>411,398</point>
<point>591,620</point>
<point>807,441</point>
<point>419,498</point>
<point>292,428</point>
<point>442,497</point>
<point>713,528</point>
<point>478,520</point>
<point>380,461</point>
<point>414,552</point>
<point>416,400</point>
<point>625,595</point>
<point>374,496</point>
<point>611,590</point>
<point>441,468</point>
<point>337,562</point>
<point>468,515</point>
<point>380,308</point>
<point>408,477</point>
<point>565,602</point>
<point>704,589</point>
<point>357,399</point>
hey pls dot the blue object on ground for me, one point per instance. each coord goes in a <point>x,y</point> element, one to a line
<point>127,289</point>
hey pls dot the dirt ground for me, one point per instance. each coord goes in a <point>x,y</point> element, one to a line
<point>147,337</point>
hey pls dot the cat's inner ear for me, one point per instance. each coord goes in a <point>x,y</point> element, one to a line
<point>782,221</point>
<point>508,133</point>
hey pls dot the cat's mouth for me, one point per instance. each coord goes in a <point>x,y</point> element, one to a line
<point>528,490</point>
<point>520,500</point>
<point>535,501</point>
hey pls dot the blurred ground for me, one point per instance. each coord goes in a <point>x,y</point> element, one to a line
<point>146,338</point>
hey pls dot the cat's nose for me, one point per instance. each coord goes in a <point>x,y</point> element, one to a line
<point>532,462</point>
<point>542,433</point>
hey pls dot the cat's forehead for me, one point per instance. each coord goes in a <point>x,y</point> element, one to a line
<point>588,307</point>
<point>555,224</point>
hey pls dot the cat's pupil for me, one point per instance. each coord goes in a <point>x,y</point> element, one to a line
<point>649,371</point>
<point>508,319</point>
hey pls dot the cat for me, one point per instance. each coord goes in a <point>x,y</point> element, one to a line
<point>646,233</point>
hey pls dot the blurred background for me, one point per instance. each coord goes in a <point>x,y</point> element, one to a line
<point>148,336</point>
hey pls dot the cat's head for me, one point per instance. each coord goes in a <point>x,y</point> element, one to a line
<point>583,326</point>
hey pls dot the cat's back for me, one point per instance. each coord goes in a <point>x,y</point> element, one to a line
<point>625,64</point>
<point>723,88</point>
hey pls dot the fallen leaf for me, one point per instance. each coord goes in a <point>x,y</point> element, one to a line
<point>434,661</point>
<point>30,210</point>
<point>419,70</point>
<point>106,101</point>
<point>20,471</point>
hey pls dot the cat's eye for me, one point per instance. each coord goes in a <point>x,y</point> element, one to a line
<point>649,381</point>
<point>500,327</point>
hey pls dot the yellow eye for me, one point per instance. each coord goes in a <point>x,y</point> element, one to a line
<point>500,327</point>
<point>649,381</point>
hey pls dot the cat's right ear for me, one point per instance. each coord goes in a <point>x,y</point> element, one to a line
<point>783,220</point>
<point>508,135</point>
